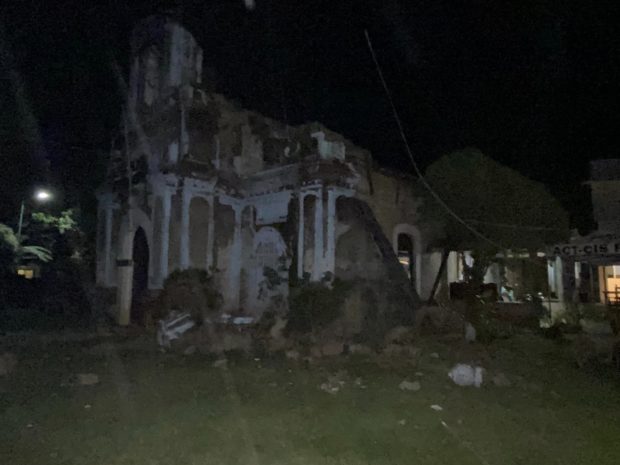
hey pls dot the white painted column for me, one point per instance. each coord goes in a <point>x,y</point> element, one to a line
<point>300,238</point>
<point>210,233</point>
<point>559,278</point>
<point>107,262</point>
<point>184,240</point>
<point>165,237</point>
<point>234,276</point>
<point>317,269</point>
<point>330,251</point>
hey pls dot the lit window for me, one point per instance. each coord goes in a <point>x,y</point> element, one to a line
<point>27,273</point>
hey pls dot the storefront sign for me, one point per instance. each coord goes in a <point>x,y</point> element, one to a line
<point>587,249</point>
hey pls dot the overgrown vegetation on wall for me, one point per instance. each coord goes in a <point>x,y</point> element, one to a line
<point>313,306</point>
<point>192,290</point>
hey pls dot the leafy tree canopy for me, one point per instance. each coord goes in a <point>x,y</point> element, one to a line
<point>513,212</point>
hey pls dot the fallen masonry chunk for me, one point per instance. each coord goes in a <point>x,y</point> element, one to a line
<point>173,327</point>
<point>410,386</point>
<point>191,350</point>
<point>466,375</point>
<point>87,379</point>
<point>329,388</point>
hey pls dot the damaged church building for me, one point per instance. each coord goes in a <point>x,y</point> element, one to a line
<point>196,182</point>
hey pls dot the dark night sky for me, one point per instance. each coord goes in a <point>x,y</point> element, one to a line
<point>534,84</point>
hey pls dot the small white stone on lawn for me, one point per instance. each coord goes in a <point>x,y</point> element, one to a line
<point>292,355</point>
<point>330,389</point>
<point>29,425</point>
<point>434,355</point>
<point>466,375</point>
<point>419,373</point>
<point>402,422</point>
<point>437,408</point>
<point>87,406</point>
<point>409,386</point>
<point>222,363</point>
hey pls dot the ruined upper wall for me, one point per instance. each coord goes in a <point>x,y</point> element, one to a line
<point>180,127</point>
<point>165,58</point>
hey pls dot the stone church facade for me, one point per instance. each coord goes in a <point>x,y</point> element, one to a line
<point>196,182</point>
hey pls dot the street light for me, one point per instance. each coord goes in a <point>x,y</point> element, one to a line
<point>41,195</point>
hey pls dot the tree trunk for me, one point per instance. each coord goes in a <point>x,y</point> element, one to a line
<point>444,260</point>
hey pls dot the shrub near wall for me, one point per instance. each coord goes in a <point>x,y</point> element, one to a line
<point>192,290</point>
<point>313,306</point>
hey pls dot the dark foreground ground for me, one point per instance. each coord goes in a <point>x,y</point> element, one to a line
<point>154,408</point>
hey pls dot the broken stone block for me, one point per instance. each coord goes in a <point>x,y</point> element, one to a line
<point>360,349</point>
<point>466,375</point>
<point>292,354</point>
<point>329,388</point>
<point>87,379</point>
<point>397,350</point>
<point>470,332</point>
<point>410,386</point>
<point>191,350</point>
<point>173,327</point>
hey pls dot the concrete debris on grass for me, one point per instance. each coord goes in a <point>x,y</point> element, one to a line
<point>437,408</point>
<point>329,388</point>
<point>292,355</point>
<point>173,327</point>
<point>87,379</point>
<point>466,375</point>
<point>501,380</point>
<point>334,382</point>
<point>400,350</point>
<point>7,363</point>
<point>470,332</point>
<point>410,386</point>
<point>360,349</point>
<point>191,350</point>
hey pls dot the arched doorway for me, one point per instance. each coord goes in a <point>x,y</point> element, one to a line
<point>407,243</point>
<point>140,257</point>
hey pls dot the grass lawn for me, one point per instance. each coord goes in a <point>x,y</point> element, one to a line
<point>153,408</point>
